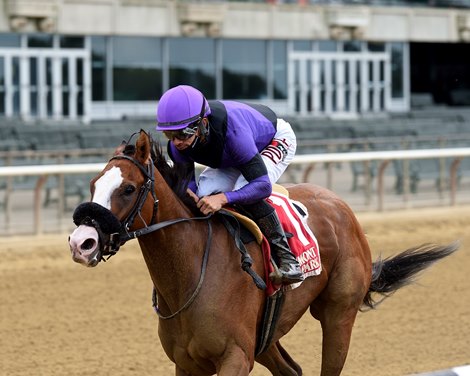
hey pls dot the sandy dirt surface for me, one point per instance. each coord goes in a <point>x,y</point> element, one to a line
<point>59,318</point>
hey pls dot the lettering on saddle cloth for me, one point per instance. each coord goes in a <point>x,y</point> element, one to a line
<point>303,244</point>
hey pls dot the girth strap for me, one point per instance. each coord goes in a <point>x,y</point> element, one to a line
<point>233,227</point>
<point>273,306</point>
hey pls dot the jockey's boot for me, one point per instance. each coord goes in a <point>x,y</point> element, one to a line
<point>289,269</point>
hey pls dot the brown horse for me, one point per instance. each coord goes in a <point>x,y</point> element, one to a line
<point>210,310</point>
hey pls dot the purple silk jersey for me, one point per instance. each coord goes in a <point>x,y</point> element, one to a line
<point>237,133</point>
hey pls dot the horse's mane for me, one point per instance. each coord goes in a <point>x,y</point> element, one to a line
<point>176,175</point>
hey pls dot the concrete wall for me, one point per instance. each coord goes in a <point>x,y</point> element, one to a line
<point>235,20</point>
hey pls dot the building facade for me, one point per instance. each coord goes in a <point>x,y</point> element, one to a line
<point>103,59</point>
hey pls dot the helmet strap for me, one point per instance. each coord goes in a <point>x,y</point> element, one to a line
<point>203,129</point>
<point>202,134</point>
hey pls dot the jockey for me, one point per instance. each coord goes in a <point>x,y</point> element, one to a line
<point>245,147</point>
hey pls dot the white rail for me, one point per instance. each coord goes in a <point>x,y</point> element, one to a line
<point>43,171</point>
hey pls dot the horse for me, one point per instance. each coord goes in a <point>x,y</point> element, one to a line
<point>209,310</point>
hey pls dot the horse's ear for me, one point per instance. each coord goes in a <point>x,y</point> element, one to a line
<point>143,148</point>
<point>120,148</point>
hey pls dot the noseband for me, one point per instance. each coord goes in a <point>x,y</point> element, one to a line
<point>106,223</point>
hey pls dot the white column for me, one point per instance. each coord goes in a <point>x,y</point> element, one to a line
<point>73,87</point>
<point>315,86</point>
<point>353,86</point>
<point>86,89</point>
<point>42,87</point>
<point>25,102</point>
<point>328,87</point>
<point>303,86</point>
<point>387,83</point>
<point>291,83</point>
<point>364,89</point>
<point>57,87</point>
<point>406,75</point>
<point>376,85</point>
<point>340,92</point>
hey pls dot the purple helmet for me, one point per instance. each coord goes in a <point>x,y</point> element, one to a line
<point>179,107</point>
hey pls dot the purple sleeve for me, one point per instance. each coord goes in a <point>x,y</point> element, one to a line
<point>192,184</point>
<point>259,186</point>
<point>254,191</point>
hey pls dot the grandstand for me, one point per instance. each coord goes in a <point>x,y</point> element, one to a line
<point>78,77</point>
<point>62,59</point>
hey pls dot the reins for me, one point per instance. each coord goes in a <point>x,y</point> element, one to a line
<point>201,277</point>
<point>124,235</point>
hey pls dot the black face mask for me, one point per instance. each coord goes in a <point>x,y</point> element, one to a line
<point>88,211</point>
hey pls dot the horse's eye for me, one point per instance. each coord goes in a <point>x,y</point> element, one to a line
<point>130,189</point>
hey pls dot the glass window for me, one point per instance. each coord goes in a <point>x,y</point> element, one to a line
<point>397,70</point>
<point>280,69</point>
<point>244,69</point>
<point>352,46</point>
<point>98,68</point>
<point>375,47</point>
<point>192,62</point>
<point>10,40</point>
<point>72,42</point>
<point>327,46</point>
<point>137,68</point>
<point>302,45</point>
<point>40,40</point>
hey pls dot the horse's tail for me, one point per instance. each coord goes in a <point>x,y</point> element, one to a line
<point>390,274</point>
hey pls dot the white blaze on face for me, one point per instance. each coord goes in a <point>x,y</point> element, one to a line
<point>105,186</point>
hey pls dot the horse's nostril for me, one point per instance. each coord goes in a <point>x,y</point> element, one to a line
<point>88,244</point>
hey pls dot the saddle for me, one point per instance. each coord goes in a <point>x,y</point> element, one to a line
<point>302,242</point>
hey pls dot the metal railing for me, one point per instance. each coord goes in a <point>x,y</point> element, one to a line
<point>308,161</point>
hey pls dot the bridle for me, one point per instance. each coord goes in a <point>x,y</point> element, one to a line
<point>109,247</point>
<point>119,238</point>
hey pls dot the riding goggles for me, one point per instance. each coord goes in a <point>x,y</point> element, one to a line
<point>182,134</point>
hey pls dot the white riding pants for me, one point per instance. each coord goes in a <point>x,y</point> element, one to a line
<point>276,156</point>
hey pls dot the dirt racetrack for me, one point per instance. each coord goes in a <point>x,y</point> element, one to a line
<point>59,318</point>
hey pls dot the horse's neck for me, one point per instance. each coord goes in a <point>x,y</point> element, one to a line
<point>172,253</point>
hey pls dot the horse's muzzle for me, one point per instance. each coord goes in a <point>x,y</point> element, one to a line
<point>91,237</point>
<point>85,246</point>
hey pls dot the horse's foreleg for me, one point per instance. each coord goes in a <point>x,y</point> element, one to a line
<point>279,362</point>
<point>235,362</point>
